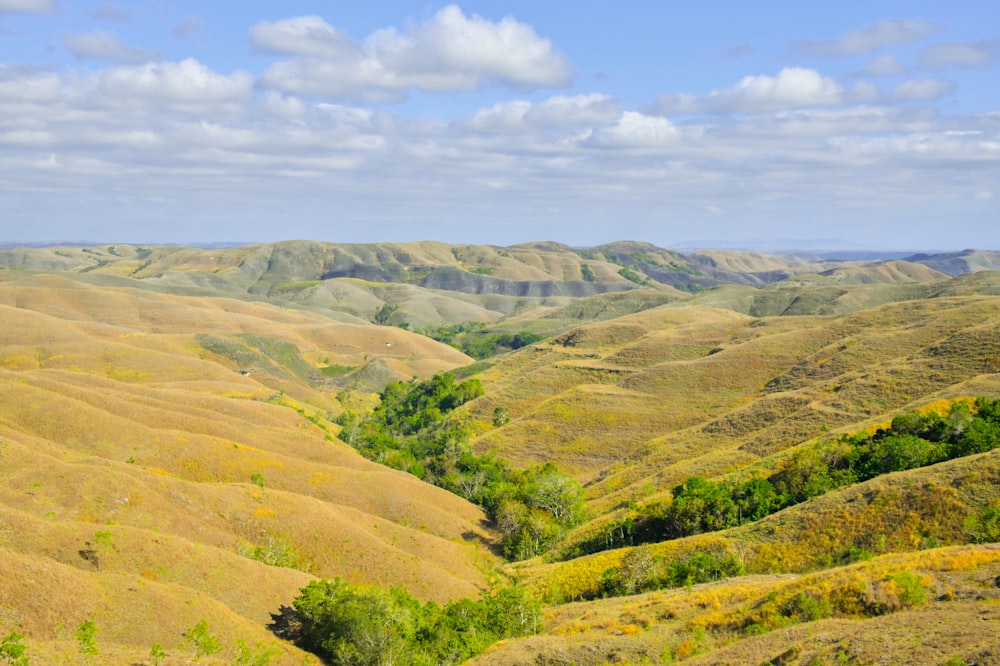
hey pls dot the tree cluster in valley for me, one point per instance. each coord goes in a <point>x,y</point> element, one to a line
<point>348,625</point>
<point>415,428</point>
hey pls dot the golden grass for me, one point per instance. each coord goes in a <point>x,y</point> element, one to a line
<point>763,386</point>
<point>136,463</point>
<point>752,619</point>
<point>118,426</point>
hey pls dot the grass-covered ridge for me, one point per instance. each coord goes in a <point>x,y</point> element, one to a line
<point>912,440</point>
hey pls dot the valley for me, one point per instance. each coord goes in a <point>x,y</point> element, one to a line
<point>176,450</point>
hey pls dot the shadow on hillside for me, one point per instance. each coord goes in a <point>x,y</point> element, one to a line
<point>286,624</point>
<point>492,545</point>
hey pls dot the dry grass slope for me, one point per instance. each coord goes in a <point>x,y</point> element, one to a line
<point>872,619</point>
<point>138,466</point>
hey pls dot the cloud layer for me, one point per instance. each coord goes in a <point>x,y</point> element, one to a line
<point>180,145</point>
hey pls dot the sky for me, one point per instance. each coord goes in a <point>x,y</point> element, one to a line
<point>768,125</point>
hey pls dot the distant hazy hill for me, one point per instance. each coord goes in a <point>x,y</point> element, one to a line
<point>957,263</point>
<point>434,283</point>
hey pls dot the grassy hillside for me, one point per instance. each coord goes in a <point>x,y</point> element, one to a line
<point>638,404</point>
<point>931,607</point>
<point>169,431</point>
<point>668,392</point>
<point>153,474</point>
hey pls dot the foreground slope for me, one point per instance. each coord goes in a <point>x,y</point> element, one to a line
<point>930,607</point>
<point>154,477</point>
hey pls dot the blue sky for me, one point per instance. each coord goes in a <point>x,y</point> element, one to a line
<point>861,124</point>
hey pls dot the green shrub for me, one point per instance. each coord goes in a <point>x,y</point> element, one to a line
<point>274,550</point>
<point>86,639</point>
<point>201,641</point>
<point>913,591</point>
<point>984,526</point>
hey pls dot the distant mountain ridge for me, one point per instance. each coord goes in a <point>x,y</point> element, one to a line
<point>427,284</point>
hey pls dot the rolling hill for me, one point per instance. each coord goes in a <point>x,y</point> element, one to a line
<point>143,470</point>
<point>169,431</point>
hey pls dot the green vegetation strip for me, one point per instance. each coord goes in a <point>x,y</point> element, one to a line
<point>413,429</point>
<point>912,440</point>
<point>471,338</point>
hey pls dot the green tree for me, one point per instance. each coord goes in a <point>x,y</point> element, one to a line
<point>979,436</point>
<point>202,641</point>
<point>157,654</point>
<point>699,506</point>
<point>13,651</point>
<point>525,532</point>
<point>557,494</point>
<point>384,314</point>
<point>86,634</point>
<point>501,416</point>
<point>702,568</point>
<point>346,625</point>
<point>355,628</point>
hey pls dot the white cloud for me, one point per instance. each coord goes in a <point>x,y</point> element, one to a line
<point>867,39</point>
<point>28,7</point>
<point>884,65</point>
<point>28,85</point>
<point>104,45</point>
<point>185,85</point>
<point>283,106</point>
<point>960,54</point>
<point>451,51</point>
<point>304,36</point>
<point>922,90</point>
<point>502,117</point>
<point>634,130</point>
<point>576,111</point>
<point>559,113</point>
<point>793,87</point>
